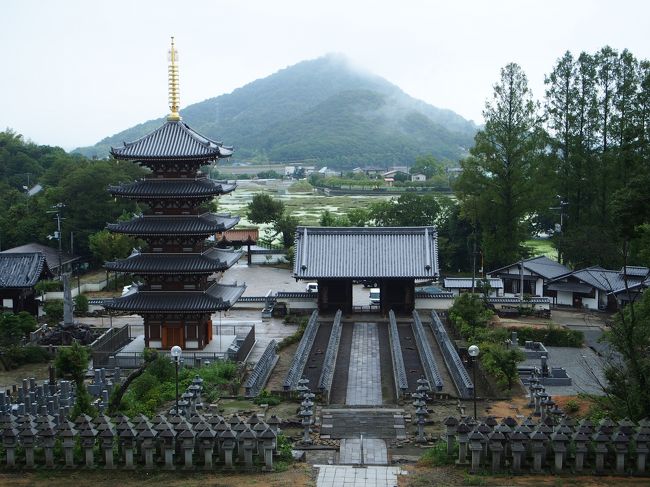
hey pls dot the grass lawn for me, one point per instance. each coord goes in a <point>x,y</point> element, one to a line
<point>541,247</point>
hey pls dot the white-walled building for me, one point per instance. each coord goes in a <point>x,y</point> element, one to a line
<point>460,285</point>
<point>537,272</point>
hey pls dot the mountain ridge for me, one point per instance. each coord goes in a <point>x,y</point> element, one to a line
<point>322,108</point>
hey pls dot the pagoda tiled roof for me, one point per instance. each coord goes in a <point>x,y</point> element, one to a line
<point>174,140</point>
<point>218,297</point>
<point>213,260</point>
<point>206,224</point>
<point>172,188</point>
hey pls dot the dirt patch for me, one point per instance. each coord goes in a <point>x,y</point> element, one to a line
<point>582,402</point>
<point>521,322</point>
<point>297,475</point>
<point>511,407</point>
<point>281,368</point>
<point>442,476</point>
<point>16,376</point>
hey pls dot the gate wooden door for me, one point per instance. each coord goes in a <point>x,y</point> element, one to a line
<point>173,336</point>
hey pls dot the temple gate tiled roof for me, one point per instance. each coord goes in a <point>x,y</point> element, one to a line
<point>382,252</point>
<point>213,260</point>
<point>172,188</point>
<point>205,224</point>
<point>173,140</point>
<point>21,270</point>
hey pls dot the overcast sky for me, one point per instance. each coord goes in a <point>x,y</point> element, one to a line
<point>76,71</point>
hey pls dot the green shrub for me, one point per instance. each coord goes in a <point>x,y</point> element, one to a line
<point>16,356</point>
<point>42,287</point>
<point>266,397</point>
<point>437,455</point>
<point>54,310</point>
<point>81,304</point>
<point>551,335</point>
<point>572,406</point>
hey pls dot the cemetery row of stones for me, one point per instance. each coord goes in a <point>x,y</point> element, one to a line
<point>57,397</point>
<point>539,447</point>
<point>171,442</point>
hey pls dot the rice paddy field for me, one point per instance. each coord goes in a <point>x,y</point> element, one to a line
<point>306,206</point>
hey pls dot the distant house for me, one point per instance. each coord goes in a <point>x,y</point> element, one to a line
<point>460,285</point>
<point>51,256</point>
<point>598,288</point>
<point>325,171</point>
<point>418,177</point>
<point>537,272</point>
<point>19,273</point>
<point>373,172</point>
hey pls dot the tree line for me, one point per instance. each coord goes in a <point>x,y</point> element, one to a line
<point>579,159</point>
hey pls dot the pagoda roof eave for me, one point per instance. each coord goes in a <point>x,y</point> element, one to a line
<point>213,260</point>
<point>174,141</point>
<point>218,297</point>
<point>172,189</point>
<point>206,224</point>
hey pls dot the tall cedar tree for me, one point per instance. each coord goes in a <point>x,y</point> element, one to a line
<point>497,186</point>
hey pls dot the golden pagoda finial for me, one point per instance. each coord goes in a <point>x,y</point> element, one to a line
<point>174,92</point>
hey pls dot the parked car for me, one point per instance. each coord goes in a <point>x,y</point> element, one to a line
<point>375,296</point>
<point>312,287</point>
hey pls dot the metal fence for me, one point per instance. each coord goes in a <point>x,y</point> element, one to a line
<point>302,353</point>
<point>399,371</point>
<point>107,344</point>
<point>457,370</point>
<point>426,354</point>
<point>329,362</point>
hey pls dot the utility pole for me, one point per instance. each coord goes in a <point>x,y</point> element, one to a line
<point>57,235</point>
<point>474,263</point>
<point>560,229</point>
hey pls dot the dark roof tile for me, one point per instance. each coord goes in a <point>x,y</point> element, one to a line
<point>173,140</point>
<point>388,252</point>
<point>213,260</point>
<point>206,224</point>
<point>172,188</point>
<point>217,297</point>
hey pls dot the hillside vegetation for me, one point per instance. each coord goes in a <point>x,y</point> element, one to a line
<point>322,109</point>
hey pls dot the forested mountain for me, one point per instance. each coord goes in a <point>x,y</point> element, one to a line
<point>322,109</point>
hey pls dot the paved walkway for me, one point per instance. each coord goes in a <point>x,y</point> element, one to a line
<point>342,476</point>
<point>364,376</point>
<point>374,452</point>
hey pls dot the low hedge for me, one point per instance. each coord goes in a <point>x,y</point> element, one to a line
<point>550,336</point>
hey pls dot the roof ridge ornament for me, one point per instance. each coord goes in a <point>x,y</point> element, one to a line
<point>174,91</point>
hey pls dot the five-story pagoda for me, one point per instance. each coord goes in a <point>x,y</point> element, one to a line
<point>176,299</point>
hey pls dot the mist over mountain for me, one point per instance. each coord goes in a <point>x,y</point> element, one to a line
<point>322,109</point>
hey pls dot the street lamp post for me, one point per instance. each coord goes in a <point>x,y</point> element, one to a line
<point>473,352</point>
<point>176,352</point>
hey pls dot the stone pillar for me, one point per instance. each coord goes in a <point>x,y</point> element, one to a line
<point>268,439</point>
<point>451,424</point>
<point>538,449</point>
<point>88,444</point>
<point>463,439</point>
<point>228,447</point>
<point>559,441</point>
<point>600,448</point>
<point>106,441</point>
<point>28,441</point>
<point>148,446</point>
<point>48,440</point>
<point>641,452</point>
<point>187,444</point>
<point>621,442</point>
<point>476,448</point>
<point>10,442</point>
<point>496,447</point>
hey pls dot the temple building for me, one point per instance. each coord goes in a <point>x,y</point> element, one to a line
<point>176,297</point>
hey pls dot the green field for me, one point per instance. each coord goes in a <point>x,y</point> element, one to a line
<point>541,247</point>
